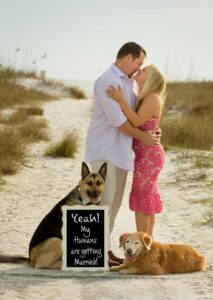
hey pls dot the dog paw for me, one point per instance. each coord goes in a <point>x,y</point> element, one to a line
<point>114,268</point>
<point>124,272</point>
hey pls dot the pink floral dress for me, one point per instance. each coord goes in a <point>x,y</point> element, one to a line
<point>148,163</point>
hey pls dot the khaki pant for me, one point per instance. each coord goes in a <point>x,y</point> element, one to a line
<point>114,188</point>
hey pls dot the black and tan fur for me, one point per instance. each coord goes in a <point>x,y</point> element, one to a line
<point>45,249</point>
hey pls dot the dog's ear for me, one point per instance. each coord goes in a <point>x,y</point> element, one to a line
<point>121,240</point>
<point>147,240</point>
<point>103,170</point>
<point>84,170</point>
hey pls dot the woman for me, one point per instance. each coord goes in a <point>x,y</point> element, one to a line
<point>144,197</point>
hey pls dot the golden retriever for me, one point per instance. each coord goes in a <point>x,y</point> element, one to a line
<point>146,257</point>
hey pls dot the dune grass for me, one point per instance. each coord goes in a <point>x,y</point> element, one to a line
<point>33,131</point>
<point>67,147</point>
<point>10,73</point>
<point>200,175</point>
<point>20,115</point>
<point>14,142</point>
<point>193,170</point>
<point>32,110</point>
<point>187,131</point>
<point>13,118</point>
<point>19,125</point>
<point>76,92</point>
<point>18,122</point>
<point>73,92</point>
<point>187,118</point>
<point>207,219</point>
<point>205,201</point>
<point>17,129</point>
<point>203,162</point>
<point>12,149</point>
<point>12,94</point>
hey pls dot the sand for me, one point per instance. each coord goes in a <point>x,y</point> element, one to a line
<point>26,197</point>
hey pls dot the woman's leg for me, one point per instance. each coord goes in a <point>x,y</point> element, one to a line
<point>151,225</point>
<point>142,221</point>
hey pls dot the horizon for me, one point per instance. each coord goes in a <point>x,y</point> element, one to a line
<point>78,41</point>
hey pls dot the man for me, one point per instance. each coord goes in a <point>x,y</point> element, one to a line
<point>109,136</point>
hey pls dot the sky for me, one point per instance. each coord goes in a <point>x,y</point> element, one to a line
<point>80,39</point>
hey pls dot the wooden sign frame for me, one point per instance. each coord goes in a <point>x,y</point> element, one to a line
<point>87,218</point>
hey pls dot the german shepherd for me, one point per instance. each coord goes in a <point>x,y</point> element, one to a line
<point>45,250</point>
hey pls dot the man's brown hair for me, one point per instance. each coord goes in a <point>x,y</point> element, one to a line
<point>130,48</point>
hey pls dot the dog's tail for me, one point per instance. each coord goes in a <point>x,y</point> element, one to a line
<point>13,259</point>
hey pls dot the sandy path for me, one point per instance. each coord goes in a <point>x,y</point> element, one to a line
<point>26,197</point>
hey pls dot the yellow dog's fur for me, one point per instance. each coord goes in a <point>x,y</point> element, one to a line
<point>146,257</point>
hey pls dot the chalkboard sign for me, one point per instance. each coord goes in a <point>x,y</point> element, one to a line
<point>85,235</point>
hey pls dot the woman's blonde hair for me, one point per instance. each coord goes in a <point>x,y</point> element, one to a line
<point>154,83</point>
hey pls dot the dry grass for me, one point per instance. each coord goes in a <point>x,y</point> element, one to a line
<point>187,119</point>
<point>67,147</point>
<point>32,110</point>
<point>9,73</point>
<point>197,159</point>
<point>202,161</point>
<point>205,201</point>
<point>76,93</point>
<point>33,131</point>
<point>18,128</point>
<point>14,142</point>
<point>200,175</point>
<point>207,219</point>
<point>73,91</point>
<point>185,132</point>
<point>13,118</point>
<point>12,94</point>
<point>190,96</point>
<point>54,83</point>
<point>20,115</point>
<point>12,149</point>
<point>193,167</point>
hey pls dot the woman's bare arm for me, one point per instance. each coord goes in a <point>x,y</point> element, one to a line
<point>146,137</point>
<point>149,108</point>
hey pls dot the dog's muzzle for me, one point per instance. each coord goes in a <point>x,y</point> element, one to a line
<point>129,253</point>
<point>93,194</point>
